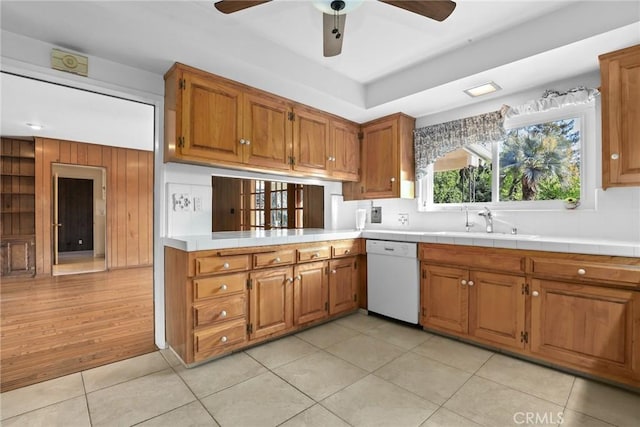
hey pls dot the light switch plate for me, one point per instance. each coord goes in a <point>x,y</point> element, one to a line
<point>376,214</point>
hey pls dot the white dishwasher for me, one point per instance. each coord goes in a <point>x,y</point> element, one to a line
<point>393,279</point>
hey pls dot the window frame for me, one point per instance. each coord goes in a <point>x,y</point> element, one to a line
<point>588,156</point>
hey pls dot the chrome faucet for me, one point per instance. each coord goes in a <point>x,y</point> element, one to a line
<point>488,217</point>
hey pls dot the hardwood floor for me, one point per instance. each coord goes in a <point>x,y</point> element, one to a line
<point>54,326</point>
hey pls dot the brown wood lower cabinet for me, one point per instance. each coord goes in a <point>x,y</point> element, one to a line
<point>221,301</point>
<point>310,293</point>
<point>587,326</point>
<point>489,306</point>
<point>577,311</point>
<point>343,285</point>
<point>270,301</point>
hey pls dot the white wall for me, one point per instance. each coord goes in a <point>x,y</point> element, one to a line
<point>616,214</point>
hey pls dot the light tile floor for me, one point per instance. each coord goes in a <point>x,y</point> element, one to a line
<point>359,370</point>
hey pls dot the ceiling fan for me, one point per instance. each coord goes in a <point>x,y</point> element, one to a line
<point>334,14</point>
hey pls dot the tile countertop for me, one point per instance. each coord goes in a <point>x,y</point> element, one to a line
<point>235,239</point>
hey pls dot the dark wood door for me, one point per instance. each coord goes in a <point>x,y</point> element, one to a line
<point>75,213</point>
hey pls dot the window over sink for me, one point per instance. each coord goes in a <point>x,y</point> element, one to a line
<point>543,160</point>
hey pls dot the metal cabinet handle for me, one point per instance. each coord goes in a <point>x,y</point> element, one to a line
<point>315,255</point>
<point>225,265</point>
<point>470,283</point>
<point>277,259</point>
<point>223,287</point>
<point>289,280</point>
<point>582,271</point>
<point>298,277</point>
<point>463,282</point>
<point>334,271</point>
<point>535,293</point>
<point>615,156</point>
<point>242,142</point>
<point>223,313</point>
<point>393,179</point>
<point>224,339</point>
<point>248,142</point>
<point>347,251</point>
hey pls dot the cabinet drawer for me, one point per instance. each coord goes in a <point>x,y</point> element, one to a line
<point>345,248</point>
<point>314,253</point>
<point>219,285</point>
<point>272,259</point>
<point>475,257</point>
<point>219,264</point>
<point>219,310</point>
<point>217,338</point>
<point>586,270</point>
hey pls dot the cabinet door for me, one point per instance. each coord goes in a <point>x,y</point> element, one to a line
<point>445,298</point>
<point>211,119</point>
<point>310,141</point>
<point>310,293</point>
<point>620,72</point>
<point>271,302</point>
<point>343,285</point>
<point>267,131</point>
<point>588,326</point>
<point>380,160</point>
<point>496,308</point>
<point>345,153</point>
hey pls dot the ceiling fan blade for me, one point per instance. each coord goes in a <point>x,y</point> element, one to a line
<point>332,45</point>
<point>434,9</point>
<point>230,6</point>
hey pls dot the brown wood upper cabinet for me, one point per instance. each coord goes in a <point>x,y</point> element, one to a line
<point>620,79</point>
<point>215,121</point>
<point>344,143</point>
<point>387,160</point>
<point>310,141</point>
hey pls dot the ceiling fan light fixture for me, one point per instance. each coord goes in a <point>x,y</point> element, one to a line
<point>325,6</point>
<point>483,89</point>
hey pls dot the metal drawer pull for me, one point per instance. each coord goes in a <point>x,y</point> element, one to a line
<point>224,339</point>
<point>582,271</point>
<point>347,251</point>
<point>470,283</point>
<point>277,259</point>
<point>223,287</point>
<point>535,293</point>
<point>223,313</point>
<point>289,280</point>
<point>463,282</point>
<point>298,277</point>
<point>615,156</point>
<point>315,255</point>
<point>225,265</point>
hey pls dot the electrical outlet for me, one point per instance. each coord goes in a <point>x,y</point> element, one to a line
<point>80,241</point>
<point>376,215</point>
<point>181,202</point>
<point>403,219</point>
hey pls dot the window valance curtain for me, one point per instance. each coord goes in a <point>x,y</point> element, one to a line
<point>433,142</point>
<point>552,99</point>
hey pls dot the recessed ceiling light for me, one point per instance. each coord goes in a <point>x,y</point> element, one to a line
<point>484,89</point>
<point>34,126</point>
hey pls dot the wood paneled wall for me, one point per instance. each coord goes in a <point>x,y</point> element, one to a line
<point>129,241</point>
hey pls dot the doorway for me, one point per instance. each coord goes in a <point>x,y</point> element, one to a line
<point>79,219</point>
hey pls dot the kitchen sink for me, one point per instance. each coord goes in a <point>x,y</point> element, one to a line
<point>480,235</point>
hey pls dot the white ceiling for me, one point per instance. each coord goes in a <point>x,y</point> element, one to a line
<point>392,60</point>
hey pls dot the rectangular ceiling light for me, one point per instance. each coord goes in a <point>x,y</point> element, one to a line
<point>484,89</point>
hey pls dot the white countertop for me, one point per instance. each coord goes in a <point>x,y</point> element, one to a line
<point>235,239</point>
